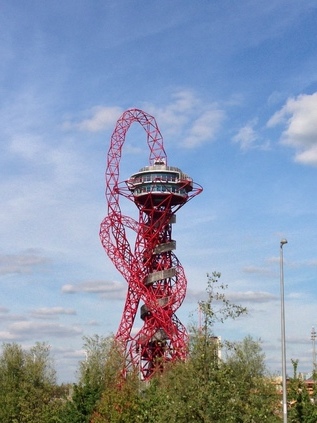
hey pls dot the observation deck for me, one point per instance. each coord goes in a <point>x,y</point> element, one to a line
<point>159,184</point>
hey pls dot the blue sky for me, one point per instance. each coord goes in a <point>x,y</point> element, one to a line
<point>233,87</point>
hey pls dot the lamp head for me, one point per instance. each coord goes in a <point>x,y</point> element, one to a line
<point>283,241</point>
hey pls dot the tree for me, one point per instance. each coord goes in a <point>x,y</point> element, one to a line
<point>217,308</point>
<point>11,376</point>
<point>121,401</point>
<point>247,359</point>
<point>204,345</point>
<point>92,369</point>
<point>203,388</point>
<point>93,375</point>
<point>302,408</point>
<point>27,384</point>
<point>254,391</point>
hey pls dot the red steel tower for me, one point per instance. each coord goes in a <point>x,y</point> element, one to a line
<point>155,277</point>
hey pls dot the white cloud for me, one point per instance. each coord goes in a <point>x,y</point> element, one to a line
<point>204,128</point>
<point>24,262</point>
<point>299,116</point>
<point>6,336</point>
<point>173,116</point>
<point>186,117</point>
<point>312,263</point>
<point>52,311</point>
<point>235,297</point>
<point>101,118</point>
<point>27,145</point>
<point>296,295</point>
<point>246,136</point>
<point>108,290</point>
<point>184,101</point>
<point>308,156</point>
<point>249,137</point>
<point>257,269</point>
<point>29,330</point>
<point>251,296</point>
<point>9,317</point>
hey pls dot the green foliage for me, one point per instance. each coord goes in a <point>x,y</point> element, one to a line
<point>301,408</point>
<point>27,385</point>
<point>92,369</point>
<point>11,375</point>
<point>79,408</point>
<point>217,308</point>
<point>200,390</point>
<point>204,388</point>
<point>96,372</point>
<point>254,393</point>
<point>120,402</point>
<point>247,359</point>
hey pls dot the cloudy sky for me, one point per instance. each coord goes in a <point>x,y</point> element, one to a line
<point>233,87</point>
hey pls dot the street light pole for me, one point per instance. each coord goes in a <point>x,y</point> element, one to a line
<point>284,385</point>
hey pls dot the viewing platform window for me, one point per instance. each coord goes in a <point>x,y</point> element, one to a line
<point>160,188</point>
<point>152,177</point>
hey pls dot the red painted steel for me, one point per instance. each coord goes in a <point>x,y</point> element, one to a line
<point>154,275</point>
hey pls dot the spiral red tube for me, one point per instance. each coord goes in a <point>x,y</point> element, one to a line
<point>154,275</point>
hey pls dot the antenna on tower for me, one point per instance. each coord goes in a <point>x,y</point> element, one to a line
<point>313,338</point>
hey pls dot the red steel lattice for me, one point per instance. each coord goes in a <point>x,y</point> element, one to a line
<point>154,274</point>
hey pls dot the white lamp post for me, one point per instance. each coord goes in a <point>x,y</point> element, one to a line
<point>284,385</point>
